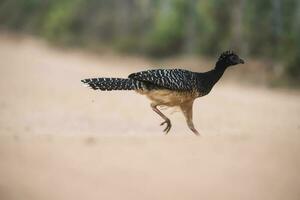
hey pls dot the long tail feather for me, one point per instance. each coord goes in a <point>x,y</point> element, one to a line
<point>108,84</point>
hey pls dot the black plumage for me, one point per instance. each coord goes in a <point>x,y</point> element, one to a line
<point>173,79</point>
<point>108,84</point>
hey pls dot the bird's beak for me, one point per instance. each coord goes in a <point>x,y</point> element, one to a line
<point>242,61</point>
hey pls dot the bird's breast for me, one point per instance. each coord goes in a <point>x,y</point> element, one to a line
<point>169,97</point>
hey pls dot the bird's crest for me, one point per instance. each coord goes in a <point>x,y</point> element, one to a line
<point>226,54</point>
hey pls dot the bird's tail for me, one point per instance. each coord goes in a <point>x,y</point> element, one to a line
<point>108,84</point>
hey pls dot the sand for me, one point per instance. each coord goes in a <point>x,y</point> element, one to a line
<point>60,140</point>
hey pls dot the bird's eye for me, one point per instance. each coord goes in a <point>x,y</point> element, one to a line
<point>234,58</point>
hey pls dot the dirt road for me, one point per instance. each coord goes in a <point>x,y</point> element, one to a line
<point>59,140</point>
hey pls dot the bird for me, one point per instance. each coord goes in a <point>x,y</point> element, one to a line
<point>170,87</point>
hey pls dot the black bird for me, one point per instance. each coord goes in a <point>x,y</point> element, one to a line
<point>170,87</point>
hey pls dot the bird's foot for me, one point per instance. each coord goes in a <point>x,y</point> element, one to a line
<point>192,128</point>
<point>196,132</point>
<point>169,125</point>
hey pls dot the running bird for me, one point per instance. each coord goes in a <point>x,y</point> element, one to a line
<point>170,87</point>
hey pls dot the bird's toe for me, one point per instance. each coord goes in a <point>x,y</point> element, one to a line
<point>168,127</point>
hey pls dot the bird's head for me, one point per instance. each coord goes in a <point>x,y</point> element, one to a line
<point>228,58</point>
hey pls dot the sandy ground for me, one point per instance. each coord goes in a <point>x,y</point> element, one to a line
<point>59,140</point>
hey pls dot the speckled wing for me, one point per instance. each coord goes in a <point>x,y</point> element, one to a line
<point>173,79</point>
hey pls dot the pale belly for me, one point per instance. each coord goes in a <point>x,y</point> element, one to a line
<point>169,97</point>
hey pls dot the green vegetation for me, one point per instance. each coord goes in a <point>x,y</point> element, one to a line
<point>267,29</point>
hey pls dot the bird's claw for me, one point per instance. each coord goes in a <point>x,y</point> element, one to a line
<point>196,133</point>
<point>168,127</point>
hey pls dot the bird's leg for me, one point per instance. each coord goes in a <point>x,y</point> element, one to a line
<point>187,109</point>
<point>167,120</point>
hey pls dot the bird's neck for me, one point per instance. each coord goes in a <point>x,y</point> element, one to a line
<point>206,81</point>
<point>221,65</point>
<point>218,72</point>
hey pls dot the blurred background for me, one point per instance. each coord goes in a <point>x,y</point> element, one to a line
<point>268,30</point>
<point>60,140</point>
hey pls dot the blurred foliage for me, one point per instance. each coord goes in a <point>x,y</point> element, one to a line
<point>268,29</point>
<point>167,34</point>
